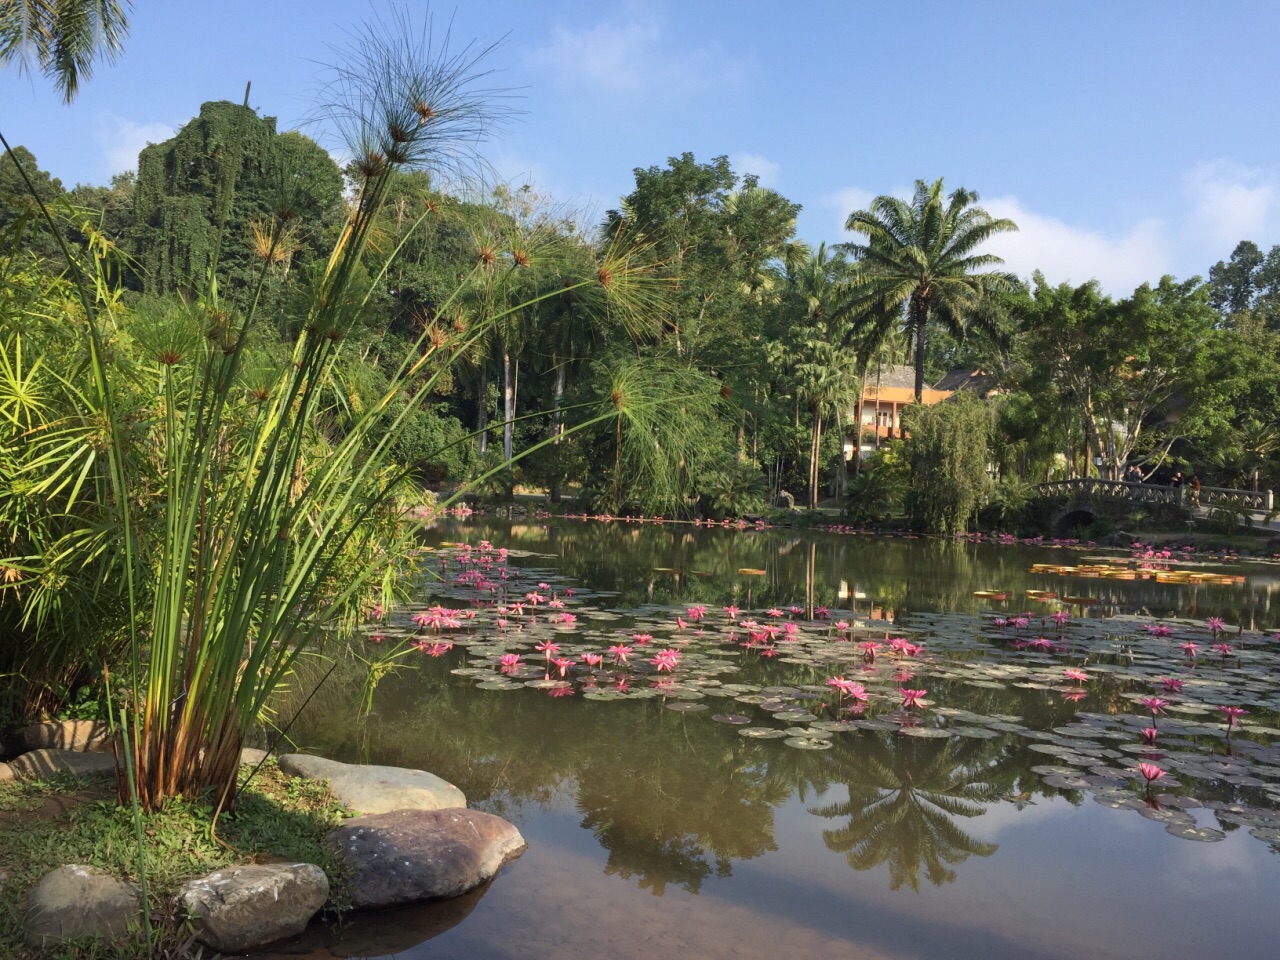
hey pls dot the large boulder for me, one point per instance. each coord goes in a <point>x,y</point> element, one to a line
<point>243,908</point>
<point>76,901</point>
<point>372,789</point>
<point>79,735</point>
<point>412,855</point>
<point>39,764</point>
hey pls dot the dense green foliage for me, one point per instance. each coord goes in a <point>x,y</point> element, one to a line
<point>735,373</point>
<point>949,451</point>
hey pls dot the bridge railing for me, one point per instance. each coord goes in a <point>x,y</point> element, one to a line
<point>1262,501</point>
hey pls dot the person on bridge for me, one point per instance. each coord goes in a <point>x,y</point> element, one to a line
<point>1194,484</point>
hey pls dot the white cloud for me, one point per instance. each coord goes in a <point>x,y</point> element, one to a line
<point>1229,203</point>
<point>1063,252</point>
<point>1068,253</point>
<point>844,202</point>
<point>765,169</point>
<point>634,54</point>
<point>122,140</point>
<point>1220,203</point>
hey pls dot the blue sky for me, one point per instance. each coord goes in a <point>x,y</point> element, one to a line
<point>1127,139</point>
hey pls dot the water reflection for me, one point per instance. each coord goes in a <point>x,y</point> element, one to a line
<point>904,796</point>
<point>629,796</point>
<point>674,798</point>
<point>870,576</point>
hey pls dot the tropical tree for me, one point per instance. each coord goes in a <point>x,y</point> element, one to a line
<point>920,255</point>
<point>64,37</point>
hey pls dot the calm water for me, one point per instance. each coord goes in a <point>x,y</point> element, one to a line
<point>655,832</point>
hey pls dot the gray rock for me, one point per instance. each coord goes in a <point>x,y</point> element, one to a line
<point>252,756</point>
<point>373,789</point>
<point>44,763</point>
<point>6,773</point>
<point>76,901</point>
<point>78,735</point>
<point>243,908</point>
<point>413,855</point>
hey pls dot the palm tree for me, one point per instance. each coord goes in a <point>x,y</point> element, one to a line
<point>825,382</point>
<point>823,365</point>
<point>920,255</point>
<point>64,37</point>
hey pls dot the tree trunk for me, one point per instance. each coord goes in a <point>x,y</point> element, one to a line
<point>877,424</point>
<point>482,415</point>
<point>557,418</point>
<point>859,410</point>
<point>815,444</point>
<point>508,402</point>
<point>921,310</point>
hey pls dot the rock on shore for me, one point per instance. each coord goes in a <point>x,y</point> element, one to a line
<point>242,908</point>
<point>412,855</point>
<point>78,901</point>
<point>373,789</point>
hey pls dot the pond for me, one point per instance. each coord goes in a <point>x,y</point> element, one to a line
<point>703,790</point>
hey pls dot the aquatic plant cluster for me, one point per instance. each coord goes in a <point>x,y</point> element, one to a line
<point>1120,707</point>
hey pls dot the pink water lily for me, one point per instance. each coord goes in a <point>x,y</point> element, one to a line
<point>548,648</point>
<point>666,660</point>
<point>1158,630</point>
<point>848,688</point>
<point>842,625</point>
<point>642,638</point>
<point>912,698</point>
<point>1155,704</point>
<point>869,648</point>
<point>620,652</point>
<point>1074,673</point>
<point>732,612</point>
<point>509,659</point>
<point>1151,772</point>
<point>592,659</point>
<point>1233,715</point>
<point>696,612</point>
<point>773,612</point>
<point>1172,684</point>
<point>1190,648</point>
<point>1216,625</point>
<point>1224,648</point>
<point>1149,734</point>
<point>563,664</point>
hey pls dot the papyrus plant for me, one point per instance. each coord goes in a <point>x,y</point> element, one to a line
<point>260,501</point>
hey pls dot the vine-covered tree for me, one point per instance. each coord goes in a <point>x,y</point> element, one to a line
<point>200,195</point>
<point>949,450</point>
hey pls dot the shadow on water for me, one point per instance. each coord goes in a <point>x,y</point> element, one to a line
<point>381,933</point>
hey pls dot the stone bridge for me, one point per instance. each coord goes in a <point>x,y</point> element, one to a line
<point>1085,496</point>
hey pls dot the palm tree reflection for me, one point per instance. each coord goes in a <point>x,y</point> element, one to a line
<point>903,796</point>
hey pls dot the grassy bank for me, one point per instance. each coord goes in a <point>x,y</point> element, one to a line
<point>47,823</point>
